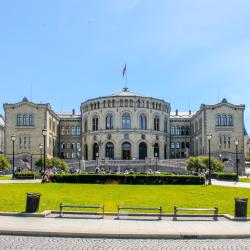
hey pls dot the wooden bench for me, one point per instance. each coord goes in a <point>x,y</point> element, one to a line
<point>215,210</point>
<point>139,208</point>
<point>80,206</point>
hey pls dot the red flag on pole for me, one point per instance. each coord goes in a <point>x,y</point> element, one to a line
<point>124,71</point>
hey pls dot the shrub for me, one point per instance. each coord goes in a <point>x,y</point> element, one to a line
<point>134,179</point>
<point>4,163</point>
<point>225,176</point>
<point>25,175</point>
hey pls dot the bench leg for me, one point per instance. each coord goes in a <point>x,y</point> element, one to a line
<point>160,213</point>
<point>215,213</point>
<point>103,212</point>
<point>175,213</point>
<point>61,212</point>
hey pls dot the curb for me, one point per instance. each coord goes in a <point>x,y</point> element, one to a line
<point>122,236</point>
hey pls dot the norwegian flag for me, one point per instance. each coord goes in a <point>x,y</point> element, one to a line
<point>124,71</point>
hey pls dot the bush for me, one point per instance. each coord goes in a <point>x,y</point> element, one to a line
<point>4,164</point>
<point>134,179</point>
<point>225,176</point>
<point>25,175</point>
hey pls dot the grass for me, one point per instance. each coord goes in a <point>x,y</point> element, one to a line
<point>5,177</point>
<point>13,196</point>
<point>244,179</point>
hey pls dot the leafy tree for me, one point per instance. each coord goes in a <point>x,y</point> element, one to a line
<point>39,163</point>
<point>4,163</point>
<point>57,162</point>
<point>201,163</point>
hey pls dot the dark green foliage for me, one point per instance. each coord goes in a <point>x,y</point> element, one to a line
<point>224,176</point>
<point>128,179</point>
<point>4,163</point>
<point>25,175</point>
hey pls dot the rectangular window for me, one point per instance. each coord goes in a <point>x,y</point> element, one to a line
<point>172,130</point>
<point>172,145</point>
<point>78,145</point>
<point>229,142</point>
<point>78,130</point>
<point>177,145</point>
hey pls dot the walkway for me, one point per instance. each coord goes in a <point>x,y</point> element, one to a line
<point>231,184</point>
<point>125,227</point>
<point>20,181</point>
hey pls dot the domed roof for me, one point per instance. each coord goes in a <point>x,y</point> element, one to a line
<point>126,92</point>
<point>25,99</point>
<point>224,100</point>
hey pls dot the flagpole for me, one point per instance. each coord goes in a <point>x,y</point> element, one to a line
<point>126,76</point>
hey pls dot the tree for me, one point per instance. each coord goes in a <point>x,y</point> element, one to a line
<point>39,163</point>
<point>4,164</point>
<point>57,162</point>
<point>201,163</point>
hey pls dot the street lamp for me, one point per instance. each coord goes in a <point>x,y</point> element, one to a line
<point>79,156</point>
<point>41,155</point>
<point>13,138</point>
<point>237,160</point>
<point>156,156</point>
<point>44,133</point>
<point>209,137</point>
<point>97,156</point>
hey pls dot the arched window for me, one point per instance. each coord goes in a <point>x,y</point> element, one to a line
<point>218,120</point>
<point>182,130</point>
<point>131,103</point>
<point>113,103</point>
<point>126,103</point>
<point>19,120</point>
<point>230,120</point>
<point>126,121</point>
<point>157,123</point>
<point>143,151</point>
<point>86,152</point>
<point>143,121</point>
<point>166,125</point>
<point>25,120</point>
<point>178,131</point>
<point>187,130</point>
<point>224,120</point>
<point>110,150</point>
<point>156,150</point>
<point>95,123</point>
<point>126,151</point>
<point>31,120</point>
<point>121,103</point>
<point>109,122</point>
<point>95,151</point>
<point>85,125</point>
<point>196,126</point>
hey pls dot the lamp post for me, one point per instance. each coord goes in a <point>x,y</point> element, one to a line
<point>97,156</point>
<point>237,160</point>
<point>209,137</point>
<point>31,161</point>
<point>41,155</point>
<point>79,155</point>
<point>13,138</point>
<point>44,133</point>
<point>156,157</point>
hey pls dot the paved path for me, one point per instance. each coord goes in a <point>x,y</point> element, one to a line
<point>27,243</point>
<point>20,181</point>
<point>125,227</point>
<point>231,184</point>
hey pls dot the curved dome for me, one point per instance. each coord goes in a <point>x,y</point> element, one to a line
<point>224,100</point>
<point>126,92</point>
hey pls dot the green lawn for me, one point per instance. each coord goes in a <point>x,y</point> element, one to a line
<point>5,177</point>
<point>244,179</point>
<point>13,196</point>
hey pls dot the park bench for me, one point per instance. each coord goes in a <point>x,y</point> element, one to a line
<point>215,210</point>
<point>159,209</point>
<point>81,206</point>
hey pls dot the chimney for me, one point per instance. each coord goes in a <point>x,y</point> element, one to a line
<point>176,112</point>
<point>73,112</point>
<point>189,112</point>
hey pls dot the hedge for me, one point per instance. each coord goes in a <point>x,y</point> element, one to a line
<point>132,179</point>
<point>25,175</point>
<point>225,176</point>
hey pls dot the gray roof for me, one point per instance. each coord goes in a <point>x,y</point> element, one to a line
<point>126,92</point>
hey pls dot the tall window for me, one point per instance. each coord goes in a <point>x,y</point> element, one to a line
<point>218,120</point>
<point>78,130</point>
<point>157,123</point>
<point>165,125</point>
<point>109,122</point>
<point>86,126</point>
<point>110,150</point>
<point>172,130</point>
<point>25,120</point>
<point>31,120</point>
<point>224,120</point>
<point>126,121</point>
<point>230,120</point>
<point>178,131</point>
<point>95,123</point>
<point>143,121</point>
<point>19,120</point>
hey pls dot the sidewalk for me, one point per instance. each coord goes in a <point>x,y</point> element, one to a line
<point>125,227</point>
<point>20,181</point>
<point>231,184</point>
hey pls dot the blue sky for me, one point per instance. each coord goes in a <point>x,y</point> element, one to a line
<point>187,52</point>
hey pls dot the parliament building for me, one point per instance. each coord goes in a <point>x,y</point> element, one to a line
<point>124,126</point>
